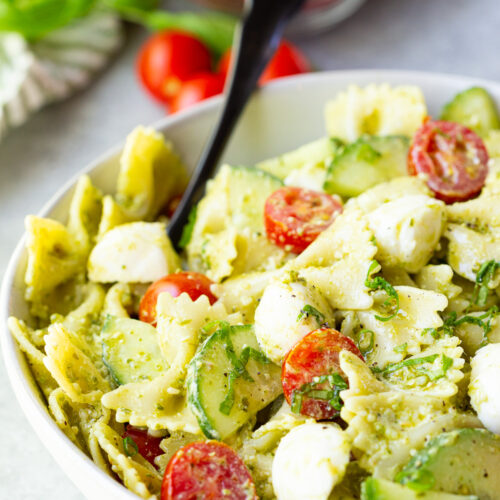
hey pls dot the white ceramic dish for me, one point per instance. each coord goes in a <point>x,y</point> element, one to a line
<point>281,117</point>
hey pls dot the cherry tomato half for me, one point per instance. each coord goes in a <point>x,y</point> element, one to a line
<point>453,157</point>
<point>197,89</point>
<point>288,60</point>
<point>210,470</point>
<point>311,375</point>
<point>294,217</point>
<point>148,446</point>
<point>194,284</point>
<point>169,58</point>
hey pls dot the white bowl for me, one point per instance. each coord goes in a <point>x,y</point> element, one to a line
<point>284,115</point>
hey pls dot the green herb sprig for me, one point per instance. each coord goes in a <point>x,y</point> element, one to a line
<point>379,283</point>
<point>334,382</point>
<point>130,447</point>
<point>483,277</point>
<point>239,367</point>
<point>308,311</point>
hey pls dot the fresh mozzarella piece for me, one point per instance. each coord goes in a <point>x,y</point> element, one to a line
<point>310,460</point>
<point>407,230</point>
<point>138,252</point>
<point>484,390</point>
<point>285,314</point>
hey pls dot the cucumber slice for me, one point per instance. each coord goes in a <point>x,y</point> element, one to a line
<point>230,380</point>
<point>321,151</point>
<point>130,350</point>
<point>365,163</point>
<point>463,461</point>
<point>381,489</point>
<point>473,108</point>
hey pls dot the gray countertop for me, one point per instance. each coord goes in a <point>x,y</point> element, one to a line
<point>451,36</point>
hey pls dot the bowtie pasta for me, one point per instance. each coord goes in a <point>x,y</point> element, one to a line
<point>332,337</point>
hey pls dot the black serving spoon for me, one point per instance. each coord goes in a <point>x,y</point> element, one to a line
<point>256,41</point>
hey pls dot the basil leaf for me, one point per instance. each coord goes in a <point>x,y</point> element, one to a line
<point>130,447</point>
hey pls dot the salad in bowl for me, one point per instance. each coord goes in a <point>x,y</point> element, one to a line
<point>329,331</point>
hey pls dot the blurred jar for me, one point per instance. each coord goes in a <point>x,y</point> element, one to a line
<point>316,16</point>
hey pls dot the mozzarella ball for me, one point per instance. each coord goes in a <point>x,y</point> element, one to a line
<point>484,389</point>
<point>407,230</point>
<point>282,317</point>
<point>310,460</point>
<point>139,252</point>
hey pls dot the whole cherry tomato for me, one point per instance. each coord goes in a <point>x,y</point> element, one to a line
<point>169,58</point>
<point>294,217</point>
<point>288,60</point>
<point>148,446</point>
<point>311,373</point>
<point>453,157</point>
<point>194,284</point>
<point>207,469</point>
<point>197,89</point>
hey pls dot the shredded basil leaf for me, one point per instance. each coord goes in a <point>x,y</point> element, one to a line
<point>308,311</point>
<point>451,322</point>
<point>379,283</point>
<point>130,447</point>
<point>239,367</point>
<point>394,367</point>
<point>360,338</point>
<point>483,277</point>
<point>316,389</point>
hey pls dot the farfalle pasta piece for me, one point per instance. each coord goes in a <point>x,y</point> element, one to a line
<point>53,257</point>
<point>242,293</point>
<point>438,278</point>
<point>418,310</point>
<point>112,215</point>
<point>435,371</point>
<point>137,474</point>
<point>469,249</point>
<point>151,173</point>
<point>338,261</point>
<point>76,421</point>
<point>403,423</point>
<point>84,215</point>
<point>377,109</point>
<point>119,301</point>
<point>388,191</point>
<point>34,356</point>
<point>72,368</point>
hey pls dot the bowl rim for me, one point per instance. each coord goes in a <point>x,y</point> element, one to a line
<point>36,414</point>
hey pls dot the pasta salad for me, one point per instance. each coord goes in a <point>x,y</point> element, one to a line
<point>330,329</point>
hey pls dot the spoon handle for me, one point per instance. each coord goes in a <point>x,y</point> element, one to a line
<point>256,42</point>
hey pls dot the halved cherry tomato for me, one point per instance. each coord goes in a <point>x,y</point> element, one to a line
<point>197,89</point>
<point>288,60</point>
<point>210,470</point>
<point>148,446</point>
<point>294,217</point>
<point>169,58</point>
<point>311,370</point>
<point>194,284</point>
<point>453,157</point>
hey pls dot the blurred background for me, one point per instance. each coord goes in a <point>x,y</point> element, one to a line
<point>36,158</point>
